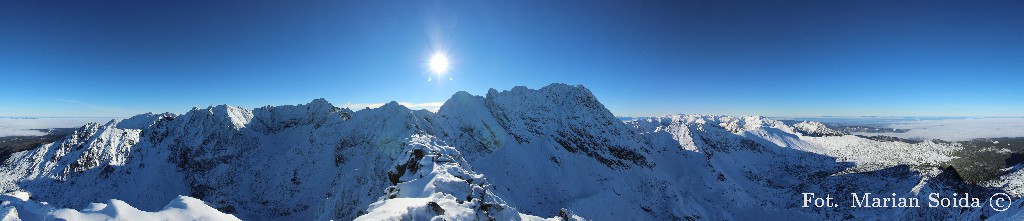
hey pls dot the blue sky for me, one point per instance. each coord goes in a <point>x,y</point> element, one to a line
<point>644,58</point>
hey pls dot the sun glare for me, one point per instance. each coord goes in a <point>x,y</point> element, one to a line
<point>439,63</point>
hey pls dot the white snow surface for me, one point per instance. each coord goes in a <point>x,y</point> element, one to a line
<point>1012,181</point>
<point>18,206</point>
<point>816,129</point>
<point>441,185</point>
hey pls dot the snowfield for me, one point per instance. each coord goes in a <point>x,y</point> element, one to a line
<point>431,184</point>
<point>554,153</point>
<point>17,205</point>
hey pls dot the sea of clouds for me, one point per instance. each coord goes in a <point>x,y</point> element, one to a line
<point>958,129</point>
<point>30,126</point>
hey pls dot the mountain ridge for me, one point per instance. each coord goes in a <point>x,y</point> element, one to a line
<point>514,154</point>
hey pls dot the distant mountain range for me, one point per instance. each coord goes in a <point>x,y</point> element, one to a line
<point>521,154</point>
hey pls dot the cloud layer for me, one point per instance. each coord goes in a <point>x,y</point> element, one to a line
<point>959,129</point>
<point>28,126</point>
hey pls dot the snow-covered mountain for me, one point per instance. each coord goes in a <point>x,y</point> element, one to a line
<point>520,154</point>
<point>817,129</point>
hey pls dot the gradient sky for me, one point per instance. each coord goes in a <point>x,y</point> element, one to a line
<point>775,58</point>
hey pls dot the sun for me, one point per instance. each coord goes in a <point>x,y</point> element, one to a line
<point>439,63</point>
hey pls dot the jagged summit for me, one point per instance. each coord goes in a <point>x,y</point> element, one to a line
<point>393,105</point>
<point>556,90</point>
<point>461,97</point>
<point>319,101</point>
<point>143,121</point>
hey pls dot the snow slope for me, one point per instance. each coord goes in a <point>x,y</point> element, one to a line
<point>18,206</point>
<point>519,154</point>
<point>1012,181</point>
<point>434,181</point>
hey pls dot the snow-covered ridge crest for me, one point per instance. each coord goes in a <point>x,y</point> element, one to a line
<point>572,118</point>
<point>432,181</point>
<point>318,113</point>
<point>239,117</point>
<point>733,124</point>
<point>684,128</point>
<point>143,121</point>
<point>817,129</point>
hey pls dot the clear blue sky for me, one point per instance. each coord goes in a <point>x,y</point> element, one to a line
<point>776,58</point>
